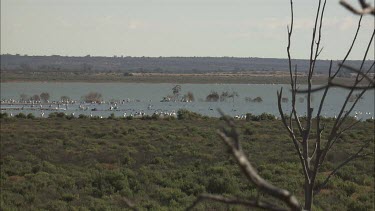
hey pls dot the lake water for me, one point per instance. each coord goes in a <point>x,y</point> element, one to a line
<point>147,97</point>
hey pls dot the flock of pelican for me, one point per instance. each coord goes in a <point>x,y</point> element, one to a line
<point>113,106</point>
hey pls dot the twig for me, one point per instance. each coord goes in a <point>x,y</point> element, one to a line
<point>372,81</point>
<point>333,84</point>
<point>128,203</point>
<point>352,157</point>
<point>251,173</point>
<point>366,8</point>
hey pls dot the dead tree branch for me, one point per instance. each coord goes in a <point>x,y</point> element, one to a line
<point>311,161</point>
<point>231,139</point>
<point>357,155</point>
<point>366,8</point>
<point>128,203</point>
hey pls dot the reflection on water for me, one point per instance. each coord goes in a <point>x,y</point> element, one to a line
<point>139,97</point>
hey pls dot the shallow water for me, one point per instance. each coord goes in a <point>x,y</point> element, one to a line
<point>146,98</point>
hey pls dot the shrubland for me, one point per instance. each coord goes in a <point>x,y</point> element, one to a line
<point>62,163</point>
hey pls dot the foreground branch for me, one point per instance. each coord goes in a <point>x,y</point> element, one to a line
<point>357,155</point>
<point>366,8</point>
<point>251,173</point>
<point>333,84</point>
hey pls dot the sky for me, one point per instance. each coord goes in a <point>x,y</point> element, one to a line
<point>238,28</point>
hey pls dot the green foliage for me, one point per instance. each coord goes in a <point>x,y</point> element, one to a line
<point>184,114</point>
<point>4,115</point>
<point>112,116</point>
<point>82,116</point>
<point>30,116</point>
<point>261,117</point>
<point>56,115</point>
<point>69,117</point>
<point>89,164</point>
<point>21,116</point>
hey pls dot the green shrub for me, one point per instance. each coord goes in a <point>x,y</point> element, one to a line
<point>184,114</point>
<point>263,116</point>
<point>21,116</point>
<point>60,115</point>
<point>82,116</point>
<point>68,197</point>
<point>56,115</point>
<point>30,116</point>
<point>168,195</point>
<point>4,115</point>
<point>348,187</point>
<point>155,117</point>
<point>112,116</point>
<point>69,117</point>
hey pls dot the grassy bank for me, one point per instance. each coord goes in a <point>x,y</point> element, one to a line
<point>90,164</point>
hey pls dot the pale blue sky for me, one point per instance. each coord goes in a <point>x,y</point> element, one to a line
<point>240,28</point>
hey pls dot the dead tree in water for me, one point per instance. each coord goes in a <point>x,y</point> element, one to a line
<point>306,133</point>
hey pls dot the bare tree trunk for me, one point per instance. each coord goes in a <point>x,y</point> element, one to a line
<point>308,195</point>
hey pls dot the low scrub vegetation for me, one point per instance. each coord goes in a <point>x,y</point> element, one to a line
<point>63,163</point>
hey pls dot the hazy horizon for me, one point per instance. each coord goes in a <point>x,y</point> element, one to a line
<point>182,28</point>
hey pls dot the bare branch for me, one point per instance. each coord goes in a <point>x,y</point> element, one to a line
<point>128,203</point>
<point>350,48</point>
<point>366,8</point>
<point>250,171</point>
<point>352,157</point>
<point>358,71</point>
<point>332,84</point>
<point>293,80</point>
<point>372,81</point>
<point>233,133</point>
<point>338,135</point>
<point>293,136</point>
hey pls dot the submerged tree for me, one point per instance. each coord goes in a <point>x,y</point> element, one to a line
<point>24,97</point>
<point>233,95</point>
<point>176,91</point>
<point>305,133</point>
<point>213,97</point>
<point>35,98</point>
<point>224,95</point>
<point>189,97</point>
<point>44,96</point>
<point>64,99</point>
<point>92,97</point>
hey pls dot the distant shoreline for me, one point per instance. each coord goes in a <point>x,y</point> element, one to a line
<point>208,78</point>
